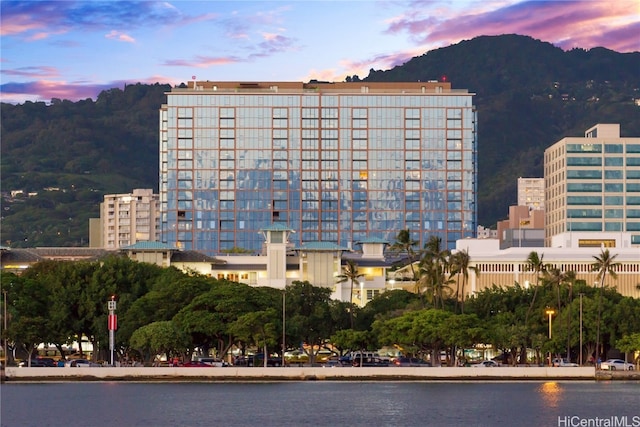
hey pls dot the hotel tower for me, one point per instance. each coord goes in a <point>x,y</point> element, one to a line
<point>334,162</point>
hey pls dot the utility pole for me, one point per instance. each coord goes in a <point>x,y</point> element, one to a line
<point>284,329</point>
<point>4,317</point>
<point>581,328</point>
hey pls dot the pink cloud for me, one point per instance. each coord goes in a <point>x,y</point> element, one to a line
<point>273,44</point>
<point>117,35</point>
<point>566,23</point>
<point>18,26</point>
<point>203,61</point>
<point>37,72</point>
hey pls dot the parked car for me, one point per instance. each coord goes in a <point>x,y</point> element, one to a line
<point>410,361</point>
<point>78,363</point>
<point>257,360</point>
<point>195,364</point>
<point>564,363</point>
<point>348,359</point>
<point>616,365</point>
<point>35,363</point>
<point>369,361</point>
<point>213,362</point>
<point>486,364</point>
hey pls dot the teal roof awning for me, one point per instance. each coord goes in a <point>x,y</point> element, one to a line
<point>277,226</point>
<point>373,240</point>
<point>149,246</point>
<point>321,246</point>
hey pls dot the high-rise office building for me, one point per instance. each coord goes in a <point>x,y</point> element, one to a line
<point>592,183</point>
<point>336,162</point>
<point>129,218</point>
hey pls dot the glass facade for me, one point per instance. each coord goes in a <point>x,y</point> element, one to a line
<point>334,164</point>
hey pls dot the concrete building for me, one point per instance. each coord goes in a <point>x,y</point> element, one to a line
<point>592,184</point>
<point>524,228</point>
<point>128,218</point>
<point>504,267</point>
<point>280,264</point>
<point>486,233</point>
<point>531,193</point>
<point>335,162</point>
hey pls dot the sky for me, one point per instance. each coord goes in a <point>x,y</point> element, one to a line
<point>75,49</point>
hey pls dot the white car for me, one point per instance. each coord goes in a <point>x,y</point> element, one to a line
<point>213,361</point>
<point>77,363</point>
<point>616,365</point>
<point>486,364</point>
<point>564,363</point>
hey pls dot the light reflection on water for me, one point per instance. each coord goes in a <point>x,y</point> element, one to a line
<point>551,393</point>
<point>313,403</point>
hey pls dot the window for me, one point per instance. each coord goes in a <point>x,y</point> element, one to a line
<point>613,161</point>
<point>613,148</point>
<point>584,161</point>
<point>584,213</point>
<point>614,188</point>
<point>584,200</point>
<point>576,188</point>
<point>584,174</point>
<point>613,213</point>
<point>584,148</point>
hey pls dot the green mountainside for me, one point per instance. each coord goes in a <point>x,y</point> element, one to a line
<point>529,94</point>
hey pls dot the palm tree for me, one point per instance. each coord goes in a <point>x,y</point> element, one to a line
<point>405,244</point>
<point>433,267</point>
<point>536,264</point>
<point>570,279</point>
<point>460,266</point>
<point>603,264</point>
<point>350,273</point>
<point>554,277</point>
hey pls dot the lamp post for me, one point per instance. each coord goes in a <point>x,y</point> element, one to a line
<point>284,329</point>
<point>4,317</point>
<point>581,328</point>
<point>550,312</point>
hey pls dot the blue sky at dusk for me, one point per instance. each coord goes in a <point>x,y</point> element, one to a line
<point>75,49</point>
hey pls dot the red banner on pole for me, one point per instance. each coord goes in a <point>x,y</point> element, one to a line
<point>113,322</point>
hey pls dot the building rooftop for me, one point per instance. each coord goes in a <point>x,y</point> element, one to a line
<point>149,246</point>
<point>321,246</point>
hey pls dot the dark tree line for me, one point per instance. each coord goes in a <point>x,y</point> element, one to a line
<point>163,310</point>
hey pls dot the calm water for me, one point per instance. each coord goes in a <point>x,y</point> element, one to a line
<point>318,404</point>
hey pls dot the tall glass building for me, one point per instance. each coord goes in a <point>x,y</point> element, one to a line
<point>336,162</point>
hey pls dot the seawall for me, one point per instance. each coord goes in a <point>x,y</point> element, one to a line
<point>304,374</point>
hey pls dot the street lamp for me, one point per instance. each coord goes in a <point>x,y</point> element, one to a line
<point>581,328</point>
<point>284,302</point>
<point>4,317</point>
<point>550,312</point>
